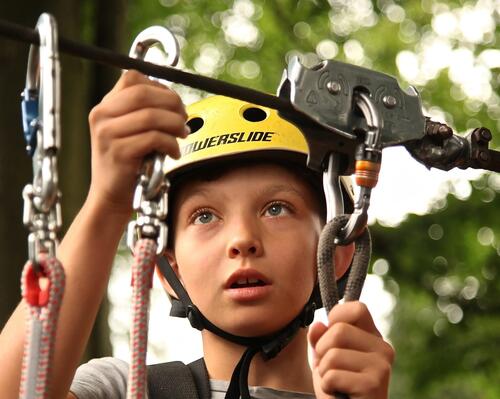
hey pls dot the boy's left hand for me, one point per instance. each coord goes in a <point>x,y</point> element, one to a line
<point>350,355</point>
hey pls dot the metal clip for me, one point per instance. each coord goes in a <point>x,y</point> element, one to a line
<point>368,159</point>
<point>41,123</point>
<point>151,193</point>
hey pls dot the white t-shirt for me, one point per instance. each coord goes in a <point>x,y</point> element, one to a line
<point>106,378</point>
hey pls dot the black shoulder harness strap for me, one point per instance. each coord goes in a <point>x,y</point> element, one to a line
<point>176,380</point>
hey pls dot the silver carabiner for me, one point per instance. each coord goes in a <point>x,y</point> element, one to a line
<point>368,159</point>
<point>145,40</point>
<point>151,194</point>
<point>41,122</point>
<point>41,111</point>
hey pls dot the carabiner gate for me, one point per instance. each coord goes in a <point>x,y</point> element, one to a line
<point>368,159</point>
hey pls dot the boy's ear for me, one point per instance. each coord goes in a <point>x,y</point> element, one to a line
<point>343,259</point>
<point>171,259</point>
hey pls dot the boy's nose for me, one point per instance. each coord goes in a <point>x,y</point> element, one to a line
<point>244,243</point>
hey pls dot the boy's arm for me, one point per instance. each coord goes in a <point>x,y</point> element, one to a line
<point>137,117</point>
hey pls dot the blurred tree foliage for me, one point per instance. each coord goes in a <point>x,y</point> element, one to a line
<point>444,265</point>
<point>443,271</point>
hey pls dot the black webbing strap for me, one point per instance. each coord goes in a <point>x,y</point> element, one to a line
<point>238,387</point>
<point>176,380</point>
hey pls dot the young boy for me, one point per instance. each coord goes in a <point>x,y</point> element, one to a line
<point>243,242</point>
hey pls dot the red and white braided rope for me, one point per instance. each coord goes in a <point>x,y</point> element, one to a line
<point>142,280</point>
<point>43,305</point>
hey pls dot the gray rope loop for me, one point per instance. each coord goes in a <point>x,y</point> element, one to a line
<point>326,263</point>
<point>326,267</point>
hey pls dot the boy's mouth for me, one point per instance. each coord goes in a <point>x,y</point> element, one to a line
<point>249,282</point>
<point>246,278</point>
<point>247,285</point>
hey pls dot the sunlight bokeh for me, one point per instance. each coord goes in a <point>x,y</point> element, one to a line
<point>453,44</point>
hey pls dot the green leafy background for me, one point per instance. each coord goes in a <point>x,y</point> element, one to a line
<point>442,267</point>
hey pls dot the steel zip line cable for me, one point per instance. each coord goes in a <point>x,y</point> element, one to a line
<point>108,57</point>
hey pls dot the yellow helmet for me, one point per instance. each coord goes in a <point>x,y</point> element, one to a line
<point>223,128</point>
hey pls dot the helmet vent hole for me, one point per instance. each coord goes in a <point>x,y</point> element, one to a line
<point>254,114</point>
<point>195,124</point>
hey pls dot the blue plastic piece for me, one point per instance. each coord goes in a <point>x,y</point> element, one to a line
<point>29,109</point>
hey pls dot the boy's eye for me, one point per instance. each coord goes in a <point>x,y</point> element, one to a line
<point>204,217</point>
<point>277,209</point>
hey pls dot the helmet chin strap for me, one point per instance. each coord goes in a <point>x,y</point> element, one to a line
<point>269,345</point>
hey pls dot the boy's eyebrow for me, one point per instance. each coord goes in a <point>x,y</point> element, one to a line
<point>276,188</point>
<point>198,191</point>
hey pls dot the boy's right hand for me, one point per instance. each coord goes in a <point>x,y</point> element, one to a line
<point>137,117</point>
<point>350,355</point>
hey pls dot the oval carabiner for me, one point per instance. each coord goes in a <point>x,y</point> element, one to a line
<point>41,112</point>
<point>151,192</point>
<point>368,159</point>
<point>149,37</point>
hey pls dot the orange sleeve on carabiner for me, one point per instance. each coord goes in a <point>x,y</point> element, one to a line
<point>367,173</point>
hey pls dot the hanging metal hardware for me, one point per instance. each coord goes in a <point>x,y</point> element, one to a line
<point>40,110</point>
<point>368,159</point>
<point>343,229</point>
<point>147,236</point>
<point>42,210</point>
<point>151,193</point>
<point>351,105</point>
<point>367,167</point>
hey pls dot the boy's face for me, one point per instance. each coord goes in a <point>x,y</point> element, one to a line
<point>245,247</point>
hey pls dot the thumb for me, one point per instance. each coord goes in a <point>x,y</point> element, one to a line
<point>316,331</point>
